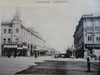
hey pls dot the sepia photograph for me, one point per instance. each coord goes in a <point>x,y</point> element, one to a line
<point>57,37</point>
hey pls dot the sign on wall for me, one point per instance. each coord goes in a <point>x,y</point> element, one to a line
<point>93,46</point>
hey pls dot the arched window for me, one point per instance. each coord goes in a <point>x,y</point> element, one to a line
<point>4,41</point>
<point>9,40</point>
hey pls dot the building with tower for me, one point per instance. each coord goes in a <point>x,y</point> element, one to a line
<point>18,40</point>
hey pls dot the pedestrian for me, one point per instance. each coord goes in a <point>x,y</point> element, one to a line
<point>8,53</point>
<point>88,64</point>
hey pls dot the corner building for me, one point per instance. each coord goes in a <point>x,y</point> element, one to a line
<point>87,37</point>
<point>18,40</point>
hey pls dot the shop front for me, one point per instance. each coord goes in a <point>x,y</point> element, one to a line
<point>93,50</point>
<point>14,50</point>
<point>9,50</point>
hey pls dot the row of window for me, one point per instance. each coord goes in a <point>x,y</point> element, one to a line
<point>5,30</point>
<point>8,41</point>
<point>91,39</point>
<point>5,40</point>
<point>9,31</point>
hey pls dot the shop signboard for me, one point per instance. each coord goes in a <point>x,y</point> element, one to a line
<point>10,46</point>
<point>93,46</point>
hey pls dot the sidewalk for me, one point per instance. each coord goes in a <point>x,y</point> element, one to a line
<point>9,66</point>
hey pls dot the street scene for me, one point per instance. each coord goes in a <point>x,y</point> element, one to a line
<point>50,40</point>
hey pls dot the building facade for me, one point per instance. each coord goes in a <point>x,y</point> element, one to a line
<point>87,37</point>
<point>18,40</point>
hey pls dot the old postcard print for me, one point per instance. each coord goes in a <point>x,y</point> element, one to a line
<point>49,37</point>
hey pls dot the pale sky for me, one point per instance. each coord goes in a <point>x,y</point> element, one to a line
<point>55,24</point>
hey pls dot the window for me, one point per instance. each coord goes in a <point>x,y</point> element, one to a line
<point>98,38</point>
<point>5,30</point>
<point>4,41</point>
<point>9,30</point>
<point>9,40</point>
<point>17,30</point>
<point>89,38</point>
<point>17,40</point>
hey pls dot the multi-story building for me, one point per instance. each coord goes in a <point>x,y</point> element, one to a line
<point>87,37</point>
<point>16,39</point>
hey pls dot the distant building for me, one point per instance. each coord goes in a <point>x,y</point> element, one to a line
<point>87,37</point>
<point>18,40</point>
